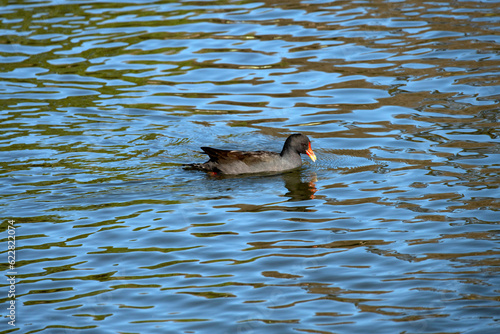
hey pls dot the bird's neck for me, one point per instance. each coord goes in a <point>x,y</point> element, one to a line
<point>287,151</point>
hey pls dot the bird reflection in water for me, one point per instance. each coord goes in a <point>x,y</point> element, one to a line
<point>300,183</point>
<point>301,186</point>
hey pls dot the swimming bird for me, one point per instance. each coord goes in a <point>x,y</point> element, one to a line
<point>242,162</point>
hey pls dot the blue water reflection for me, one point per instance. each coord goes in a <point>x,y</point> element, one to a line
<point>393,229</point>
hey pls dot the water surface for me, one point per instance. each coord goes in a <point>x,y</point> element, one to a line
<point>393,230</point>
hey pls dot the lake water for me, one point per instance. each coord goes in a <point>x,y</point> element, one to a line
<point>394,229</point>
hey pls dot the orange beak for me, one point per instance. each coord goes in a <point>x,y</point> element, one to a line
<point>310,153</point>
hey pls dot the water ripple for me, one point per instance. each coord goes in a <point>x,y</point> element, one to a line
<point>395,222</point>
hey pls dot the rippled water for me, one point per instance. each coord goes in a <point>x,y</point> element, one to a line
<point>393,230</point>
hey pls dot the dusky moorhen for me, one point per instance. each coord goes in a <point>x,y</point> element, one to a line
<point>243,162</point>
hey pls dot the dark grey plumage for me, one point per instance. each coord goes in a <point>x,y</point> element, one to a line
<point>243,162</point>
